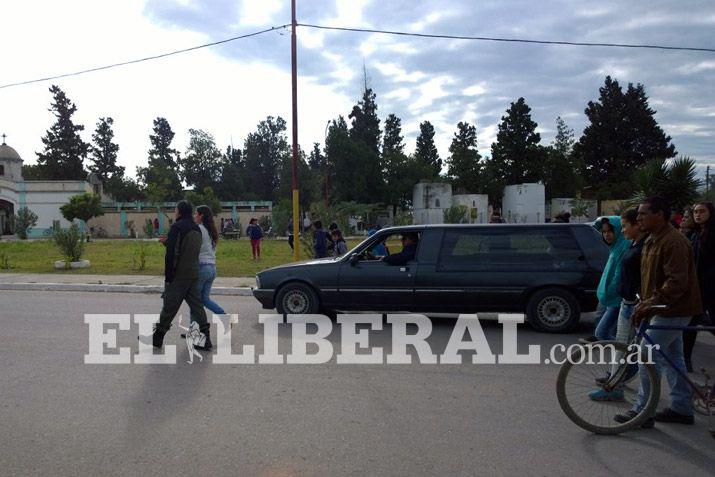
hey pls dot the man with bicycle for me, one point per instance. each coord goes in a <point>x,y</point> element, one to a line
<point>670,297</point>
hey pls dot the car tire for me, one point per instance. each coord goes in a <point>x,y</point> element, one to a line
<point>553,310</point>
<point>297,299</point>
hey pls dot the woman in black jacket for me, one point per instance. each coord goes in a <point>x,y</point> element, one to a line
<point>703,240</point>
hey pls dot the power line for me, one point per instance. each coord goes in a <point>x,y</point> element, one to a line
<point>148,58</point>
<point>362,30</point>
<point>509,40</point>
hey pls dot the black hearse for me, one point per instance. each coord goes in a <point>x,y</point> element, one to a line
<point>548,271</point>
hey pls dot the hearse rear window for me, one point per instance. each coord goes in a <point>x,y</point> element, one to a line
<point>510,249</point>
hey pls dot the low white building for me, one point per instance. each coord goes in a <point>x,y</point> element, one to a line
<point>429,201</point>
<point>524,203</point>
<point>44,198</point>
<point>477,207</point>
<point>560,205</point>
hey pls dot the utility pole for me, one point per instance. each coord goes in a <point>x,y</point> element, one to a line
<point>294,81</point>
<point>707,181</point>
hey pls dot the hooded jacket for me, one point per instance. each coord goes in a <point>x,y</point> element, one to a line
<point>607,291</point>
<point>183,244</point>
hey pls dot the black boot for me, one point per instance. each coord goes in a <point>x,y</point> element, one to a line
<point>156,339</point>
<point>208,346</point>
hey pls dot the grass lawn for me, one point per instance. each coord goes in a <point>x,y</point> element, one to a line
<point>120,257</point>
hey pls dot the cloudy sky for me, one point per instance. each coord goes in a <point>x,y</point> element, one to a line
<point>227,89</point>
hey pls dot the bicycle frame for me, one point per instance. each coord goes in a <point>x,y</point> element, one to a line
<point>645,326</point>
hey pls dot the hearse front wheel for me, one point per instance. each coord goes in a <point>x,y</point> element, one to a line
<point>297,299</point>
<point>553,310</point>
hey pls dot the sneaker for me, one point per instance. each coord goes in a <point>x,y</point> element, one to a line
<point>670,416</point>
<point>623,418</point>
<point>603,395</point>
<point>590,339</point>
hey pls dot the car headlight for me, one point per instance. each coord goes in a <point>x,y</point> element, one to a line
<point>258,281</point>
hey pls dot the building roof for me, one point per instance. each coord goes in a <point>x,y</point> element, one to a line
<point>6,152</point>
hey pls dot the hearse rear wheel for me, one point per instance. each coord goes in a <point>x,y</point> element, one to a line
<point>553,310</point>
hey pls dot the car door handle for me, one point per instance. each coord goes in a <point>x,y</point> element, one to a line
<point>403,269</point>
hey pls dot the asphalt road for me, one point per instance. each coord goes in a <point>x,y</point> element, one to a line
<point>60,416</point>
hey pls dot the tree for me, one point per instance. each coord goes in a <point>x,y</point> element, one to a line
<point>344,183</point>
<point>399,179</point>
<point>562,170</point>
<point>125,190</point>
<point>365,166</point>
<point>205,197</point>
<point>25,220</point>
<point>677,182</point>
<point>622,137</point>
<point>426,153</point>
<point>365,127</point>
<point>201,165</point>
<point>316,159</point>
<point>232,173</point>
<point>104,159</point>
<point>65,151</point>
<point>263,152</point>
<point>465,169</point>
<point>103,151</point>
<point>161,178</point>
<point>83,207</point>
<point>517,156</point>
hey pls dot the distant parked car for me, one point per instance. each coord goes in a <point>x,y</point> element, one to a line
<point>548,271</point>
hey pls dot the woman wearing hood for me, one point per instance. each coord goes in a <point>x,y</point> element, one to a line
<point>608,296</point>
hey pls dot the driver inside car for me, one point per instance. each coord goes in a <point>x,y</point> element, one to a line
<point>409,250</point>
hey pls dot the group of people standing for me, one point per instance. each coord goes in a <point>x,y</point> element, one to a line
<point>330,243</point>
<point>657,272</point>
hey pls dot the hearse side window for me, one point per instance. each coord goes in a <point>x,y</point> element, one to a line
<point>509,249</point>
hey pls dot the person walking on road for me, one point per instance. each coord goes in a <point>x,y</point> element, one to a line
<point>255,233</point>
<point>181,273</point>
<point>207,257</point>
<point>608,298</point>
<point>668,278</point>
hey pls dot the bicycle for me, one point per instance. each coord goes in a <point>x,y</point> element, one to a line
<point>577,376</point>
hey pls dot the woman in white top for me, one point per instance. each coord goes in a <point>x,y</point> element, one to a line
<point>207,257</point>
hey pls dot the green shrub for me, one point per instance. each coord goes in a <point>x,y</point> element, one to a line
<point>4,261</point>
<point>457,214</point>
<point>25,219</point>
<point>139,257</point>
<point>70,243</point>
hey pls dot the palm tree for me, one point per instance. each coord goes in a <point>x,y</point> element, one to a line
<point>675,181</point>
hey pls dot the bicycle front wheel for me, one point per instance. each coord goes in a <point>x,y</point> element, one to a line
<point>591,396</point>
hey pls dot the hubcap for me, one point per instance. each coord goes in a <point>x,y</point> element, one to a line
<point>553,311</point>
<point>296,302</point>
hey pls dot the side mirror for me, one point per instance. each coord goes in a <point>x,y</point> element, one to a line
<point>354,258</point>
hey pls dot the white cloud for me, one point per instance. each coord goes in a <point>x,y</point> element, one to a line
<point>475,90</point>
<point>259,13</point>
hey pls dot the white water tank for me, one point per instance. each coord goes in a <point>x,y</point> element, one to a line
<point>524,204</point>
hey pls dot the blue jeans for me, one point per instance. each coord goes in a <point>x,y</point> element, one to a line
<point>671,344</point>
<point>624,329</point>
<point>207,274</point>
<point>606,328</point>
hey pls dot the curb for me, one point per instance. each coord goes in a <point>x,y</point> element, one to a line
<point>104,288</point>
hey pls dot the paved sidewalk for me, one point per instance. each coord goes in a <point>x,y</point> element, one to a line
<point>237,286</point>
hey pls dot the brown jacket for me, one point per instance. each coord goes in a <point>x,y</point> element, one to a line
<point>668,274</point>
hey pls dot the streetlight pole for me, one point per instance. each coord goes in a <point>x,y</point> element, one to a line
<point>325,164</point>
<point>294,82</point>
